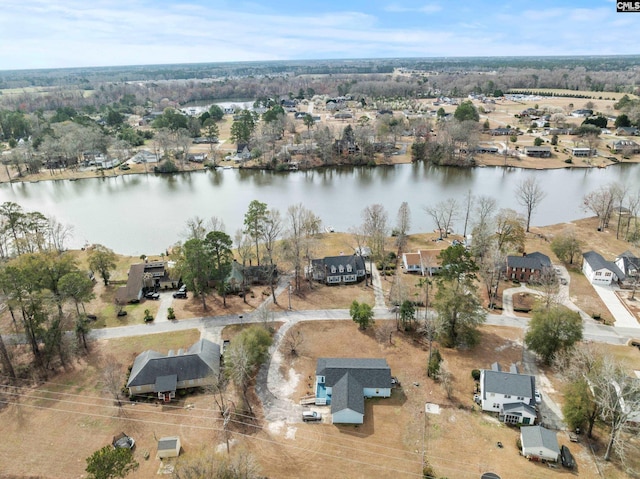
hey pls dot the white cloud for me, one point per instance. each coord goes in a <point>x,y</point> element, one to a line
<point>427,8</point>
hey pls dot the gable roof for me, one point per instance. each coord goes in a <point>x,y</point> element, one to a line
<point>199,361</point>
<point>538,436</point>
<point>519,385</point>
<point>347,394</point>
<point>596,261</point>
<point>356,262</point>
<point>369,372</point>
<point>535,261</point>
<point>131,291</point>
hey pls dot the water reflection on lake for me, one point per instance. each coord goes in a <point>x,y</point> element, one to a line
<point>137,214</point>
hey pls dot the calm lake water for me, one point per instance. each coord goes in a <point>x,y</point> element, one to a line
<point>138,214</point>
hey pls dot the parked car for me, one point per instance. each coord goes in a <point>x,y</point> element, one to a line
<point>311,416</point>
<point>538,397</point>
<point>122,441</point>
<point>180,294</point>
<point>566,458</point>
<point>152,295</point>
<point>183,289</point>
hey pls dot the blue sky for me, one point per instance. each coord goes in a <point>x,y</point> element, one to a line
<point>75,33</point>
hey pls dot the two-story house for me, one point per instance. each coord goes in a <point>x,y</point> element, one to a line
<point>528,267</point>
<point>510,394</point>
<point>338,269</point>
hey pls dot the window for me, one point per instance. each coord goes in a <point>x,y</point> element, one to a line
<point>598,273</point>
<point>496,405</point>
<point>341,268</point>
<point>608,274</point>
<point>333,270</point>
<point>520,398</point>
<point>507,396</point>
<point>349,268</point>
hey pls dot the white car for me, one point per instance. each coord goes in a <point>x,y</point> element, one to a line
<point>311,416</point>
<point>538,397</point>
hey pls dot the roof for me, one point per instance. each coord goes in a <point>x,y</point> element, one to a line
<point>347,394</point>
<point>356,262</point>
<point>536,261</point>
<point>369,372</point>
<point>168,443</point>
<point>596,261</point>
<point>538,436</point>
<point>519,385</point>
<point>131,291</point>
<point>199,361</point>
<point>166,383</point>
<point>518,409</point>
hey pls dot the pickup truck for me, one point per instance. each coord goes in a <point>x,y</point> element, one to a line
<point>311,416</point>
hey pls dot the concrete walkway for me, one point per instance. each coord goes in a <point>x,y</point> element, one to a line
<point>378,292</point>
<point>623,318</point>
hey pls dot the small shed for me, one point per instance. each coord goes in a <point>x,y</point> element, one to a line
<point>539,443</point>
<point>168,447</point>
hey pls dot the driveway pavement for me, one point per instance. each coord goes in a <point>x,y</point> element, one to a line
<point>623,318</point>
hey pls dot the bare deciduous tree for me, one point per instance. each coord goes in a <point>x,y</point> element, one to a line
<point>292,341</point>
<point>403,223</point>
<point>375,225</point>
<point>112,378</point>
<point>600,202</point>
<point>443,214</point>
<point>529,194</point>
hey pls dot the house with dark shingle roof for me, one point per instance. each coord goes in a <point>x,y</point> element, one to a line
<point>629,264</point>
<point>539,443</point>
<point>158,274</point>
<point>600,271</point>
<point>527,267</point>
<point>510,394</point>
<point>154,372</point>
<point>338,269</point>
<point>344,383</point>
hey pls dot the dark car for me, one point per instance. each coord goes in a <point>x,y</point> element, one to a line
<point>566,458</point>
<point>180,294</point>
<point>152,295</point>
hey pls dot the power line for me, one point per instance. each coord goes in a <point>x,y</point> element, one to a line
<point>437,459</point>
<point>247,436</point>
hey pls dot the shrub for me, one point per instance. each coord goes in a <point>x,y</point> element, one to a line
<point>568,160</point>
<point>475,374</point>
<point>147,316</point>
<point>170,313</point>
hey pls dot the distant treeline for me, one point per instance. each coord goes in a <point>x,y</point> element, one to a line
<point>87,76</point>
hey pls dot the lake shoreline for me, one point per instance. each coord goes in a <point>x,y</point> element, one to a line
<point>540,164</point>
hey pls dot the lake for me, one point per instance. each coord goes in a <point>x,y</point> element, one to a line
<point>145,214</point>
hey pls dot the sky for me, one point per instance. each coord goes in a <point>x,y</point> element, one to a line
<point>83,33</point>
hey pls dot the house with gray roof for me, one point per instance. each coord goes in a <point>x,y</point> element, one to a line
<point>629,264</point>
<point>344,383</point>
<point>154,372</point>
<point>528,267</point>
<point>539,443</point>
<point>510,394</point>
<point>338,269</point>
<point>600,271</point>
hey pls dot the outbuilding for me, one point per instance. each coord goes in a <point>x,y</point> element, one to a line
<point>539,443</point>
<point>168,447</point>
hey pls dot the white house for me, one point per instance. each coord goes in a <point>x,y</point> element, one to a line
<point>510,394</point>
<point>629,264</point>
<point>344,383</point>
<point>539,443</point>
<point>600,271</point>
